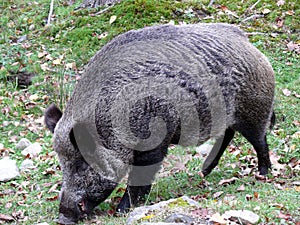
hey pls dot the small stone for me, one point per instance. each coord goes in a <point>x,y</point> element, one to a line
<point>33,150</point>
<point>162,223</point>
<point>23,143</point>
<point>27,164</point>
<point>31,27</point>
<point>8,169</point>
<point>204,149</point>
<point>142,212</point>
<point>245,216</point>
<point>217,218</point>
<point>22,38</point>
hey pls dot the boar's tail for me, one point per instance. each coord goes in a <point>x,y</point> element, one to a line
<point>273,120</point>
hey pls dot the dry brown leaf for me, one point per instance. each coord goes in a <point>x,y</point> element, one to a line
<point>286,92</point>
<point>266,11</point>
<point>52,198</point>
<point>53,188</point>
<point>285,216</point>
<point>248,197</point>
<point>278,186</point>
<point>280,2</point>
<point>292,46</point>
<point>6,218</point>
<point>277,205</point>
<point>241,188</point>
<point>218,194</point>
<point>296,123</point>
<point>42,54</point>
<point>228,181</point>
<point>112,19</point>
<point>8,205</point>
<point>56,61</point>
<point>290,12</point>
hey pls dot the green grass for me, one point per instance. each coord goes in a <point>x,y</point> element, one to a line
<point>75,36</point>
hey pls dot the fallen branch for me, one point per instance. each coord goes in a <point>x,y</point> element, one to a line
<point>252,17</point>
<point>50,13</point>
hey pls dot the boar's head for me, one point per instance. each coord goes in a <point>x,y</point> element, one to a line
<point>83,188</point>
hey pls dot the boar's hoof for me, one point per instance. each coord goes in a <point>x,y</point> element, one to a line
<point>64,220</point>
<point>123,207</point>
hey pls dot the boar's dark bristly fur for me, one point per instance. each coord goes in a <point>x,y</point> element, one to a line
<point>150,88</point>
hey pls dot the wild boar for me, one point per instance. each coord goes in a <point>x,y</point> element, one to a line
<point>147,89</point>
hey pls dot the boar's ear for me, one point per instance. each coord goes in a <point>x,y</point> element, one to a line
<point>52,116</point>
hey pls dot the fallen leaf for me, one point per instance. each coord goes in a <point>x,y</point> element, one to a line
<point>279,22</point>
<point>33,97</point>
<point>296,123</point>
<point>71,65</point>
<point>218,194</point>
<point>52,198</point>
<point>296,135</point>
<point>292,46</point>
<point>42,54</point>
<point>56,61</point>
<point>248,197</point>
<point>49,171</point>
<point>6,218</point>
<point>277,205</point>
<point>266,11</point>
<point>49,57</point>
<point>278,186</point>
<point>228,181</point>
<point>286,92</point>
<point>285,216</point>
<point>112,19</point>
<point>280,2</point>
<point>53,188</point>
<point>290,12</point>
<point>241,188</point>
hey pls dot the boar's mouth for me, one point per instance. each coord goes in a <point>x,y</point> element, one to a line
<point>70,212</point>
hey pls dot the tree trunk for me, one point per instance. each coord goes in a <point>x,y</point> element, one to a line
<point>97,3</point>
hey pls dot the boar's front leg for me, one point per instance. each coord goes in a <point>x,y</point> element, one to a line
<point>146,164</point>
<point>217,151</point>
<point>132,196</point>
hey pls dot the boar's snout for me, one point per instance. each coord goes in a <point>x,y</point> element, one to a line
<point>73,207</point>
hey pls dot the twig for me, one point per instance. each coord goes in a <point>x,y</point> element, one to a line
<point>102,11</point>
<point>255,33</point>
<point>252,17</point>
<point>211,2</point>
<point>253,6</point>
<point>50,13</point>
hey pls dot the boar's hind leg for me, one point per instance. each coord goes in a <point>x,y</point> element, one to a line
<point>217,151</point>
<point>261,147</point>
<point>146,164</point>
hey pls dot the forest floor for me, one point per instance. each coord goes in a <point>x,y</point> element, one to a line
<point>55,55</point>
